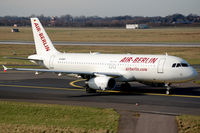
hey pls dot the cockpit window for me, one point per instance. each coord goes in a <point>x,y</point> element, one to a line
<point>184,65</point>
<point>178,65</point>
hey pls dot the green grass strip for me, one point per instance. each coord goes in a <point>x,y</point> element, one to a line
<point>30,117</point>
<point>188,124</point>
<point>197,81</point>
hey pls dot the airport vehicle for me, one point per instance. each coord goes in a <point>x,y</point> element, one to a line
<point>102,71</point>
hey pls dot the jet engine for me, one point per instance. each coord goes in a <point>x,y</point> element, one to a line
<point>102,83</point>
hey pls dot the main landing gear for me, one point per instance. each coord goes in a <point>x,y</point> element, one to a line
<point>125,86</point>
<point>89,90</point>
<point>168,87</point>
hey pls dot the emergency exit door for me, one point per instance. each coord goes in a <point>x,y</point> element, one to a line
<point>51,62</point>
<point>161,64</point>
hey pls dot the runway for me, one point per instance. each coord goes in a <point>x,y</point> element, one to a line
<point>110,44</point>
<point>48,88</point>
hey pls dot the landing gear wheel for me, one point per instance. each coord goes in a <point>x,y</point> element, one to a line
<point>125,87</point>
<point>168,88</point>
<point>89,90</point>
<point>167,92</point>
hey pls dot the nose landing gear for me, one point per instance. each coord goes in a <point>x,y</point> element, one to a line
<point>168,87</point>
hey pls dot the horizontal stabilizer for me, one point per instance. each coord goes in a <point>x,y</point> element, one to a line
<point>21,58</point>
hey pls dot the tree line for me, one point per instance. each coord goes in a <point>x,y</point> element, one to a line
<point>95,21</point>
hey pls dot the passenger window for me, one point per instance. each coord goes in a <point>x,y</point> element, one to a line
<point>174,65</point>
<point>184,65</point>
<point>178,65</point>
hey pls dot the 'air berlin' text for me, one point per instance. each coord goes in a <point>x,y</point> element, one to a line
<point>138,60</point>
<point>43,39</point>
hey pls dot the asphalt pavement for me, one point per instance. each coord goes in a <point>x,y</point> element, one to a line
<point>153,105</point>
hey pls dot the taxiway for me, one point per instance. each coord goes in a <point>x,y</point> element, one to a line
<point>49,88</point>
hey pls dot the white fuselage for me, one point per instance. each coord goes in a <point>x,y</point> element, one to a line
<point>150,68</point>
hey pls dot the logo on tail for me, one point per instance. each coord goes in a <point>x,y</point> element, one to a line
<point>42,37</point>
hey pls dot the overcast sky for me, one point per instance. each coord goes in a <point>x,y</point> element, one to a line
<point>98,7</point>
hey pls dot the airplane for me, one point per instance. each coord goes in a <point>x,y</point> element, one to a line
<point>103,71</point>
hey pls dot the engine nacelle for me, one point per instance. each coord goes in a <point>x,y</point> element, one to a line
<point>102,83</point>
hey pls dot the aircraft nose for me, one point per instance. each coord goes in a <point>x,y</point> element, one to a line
<point>190,74</point>
<point>194,73</point>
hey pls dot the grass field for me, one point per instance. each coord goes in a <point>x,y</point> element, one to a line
<point>191,54</point>
<point>29,117</point>
<point>197,81</point>
<point>164,35</point>
<point>188,124</point>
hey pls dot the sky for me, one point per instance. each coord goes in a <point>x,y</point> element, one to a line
<point>100,8</point>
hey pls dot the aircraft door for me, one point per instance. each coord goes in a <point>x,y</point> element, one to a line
<point>51,62</point>
<point>112,65</point>
<point>161,63</point>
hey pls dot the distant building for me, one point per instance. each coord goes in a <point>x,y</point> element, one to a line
<point>131,26</point>
<point>14,30</point>
<point>53,19</point>
<point>137,26</point>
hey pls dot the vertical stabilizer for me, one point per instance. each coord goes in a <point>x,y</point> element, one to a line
<point>43,43</point>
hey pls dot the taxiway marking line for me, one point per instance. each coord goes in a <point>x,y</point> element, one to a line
<point>42,87</point>
<point>111,91</point>
<point>73,83</point>
<point>173,95</point>
<point>152,94</point>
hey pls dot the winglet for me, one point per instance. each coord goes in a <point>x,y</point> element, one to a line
<point>4,68</point>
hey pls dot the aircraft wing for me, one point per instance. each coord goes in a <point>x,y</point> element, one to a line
<point>59,71</point>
